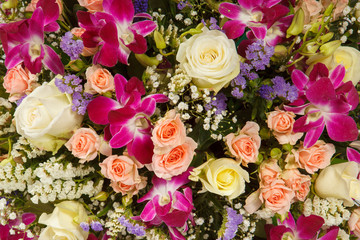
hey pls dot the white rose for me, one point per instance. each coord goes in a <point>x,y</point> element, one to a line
<point>45,117</point>
<point>339,181</point>
<point>210,58</point>
<point>347,56</point>
<point>64,222</point>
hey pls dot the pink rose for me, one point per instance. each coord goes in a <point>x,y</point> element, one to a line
<point>277,197</point>
<point>316,157</point>
<point>174,162</point>
<point>77,31</point>
<point>32,6</point>
<point>298,182</point>
<point>354,222</point>
<point>311,8</point>
<point>340,5</point>
<point>99,80</point>
<point>245,144</point>
<point>269,171</point>
<point>120,169</point>
<point>282,122</point>
<point>129,189</point>
<point>168,133</point>
<point>18,82</point>
<point>84,144</point>
<point>92,5</point>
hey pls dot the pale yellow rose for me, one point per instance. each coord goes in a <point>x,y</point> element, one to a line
<point>339,181</point>
<point>210,58</point>
<point>347,56</point>
<point>64,222</point>
<point>221,176</point>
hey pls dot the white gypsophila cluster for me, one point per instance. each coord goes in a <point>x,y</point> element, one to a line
<point>170,35</point>
<point>24,150</point>
<point>112,224</point>
<point>15,178</point>
<point>248,226</point>
<point>331,210</point>
<point>342,235</point>
<point>265,214</point>
<point>6,125</point>
<point>178,81</point>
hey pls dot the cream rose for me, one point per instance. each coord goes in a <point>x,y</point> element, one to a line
<point>339,181</point>
<point>64,222</point>
<point>45,117</point>
<point>347,56</point>
<point>222,176</point>
<point>99,80</point>
<point>210,58</point>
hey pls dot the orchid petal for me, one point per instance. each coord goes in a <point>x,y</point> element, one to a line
<point>135,84</point>
<point>313,135</point>
<point>36,24</point>
<point>143,142</point>
<point>250,4</point>
<point>148,213</point>
<point>176,218</point>
<point>341,128</point>
<point>28,218</point>
<point>159,98</point>
<point>90,38</point>
<point>182,203</point>
<point>148,106</point>
<point>34,65</point>
<point>289,221</point>
<point>337,75</point>
<point>122,10</point>
<point>277,232</point>
<point>52,60</point>
<point>179,180</point>
<point>331,234</point>
<point>121,116</point>
<point>51,10</point>
<point>123,54</point>
<point>352,155</point>
<point>349,93</point>
<point>120,82</point>
<point>259,31</point>
<point>4,231</point>
<point>99,108</point>
<point>122,137</point>
<point>230,10</point>
<point>13,57</point>
<point>319,71</point>
<point>175,234</point>
<point>139,44</point>
<point>144,28</point>
<point>143,15</point>
<point>301,124</point>
<point>188,193</point>
<point>84,19</point>
<point>108,33</point>
<point>299,79</point>
<point>297,110</point>
<point>106,55</point>
<point>321,92</point>
<point>307,227</point>
<point>162,210</point>
<point>234,28</point>
<point>271,3</point>
<point>107,133</point>
<point>52,27</point>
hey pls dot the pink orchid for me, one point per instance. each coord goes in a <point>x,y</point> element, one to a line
<point>115,32</point>
<point>330,101</point>
<point>167,204</point>
<point>127,119</point>
<point>26,218</point>
<point>258,15</point>
<point>305,228</point>
<point>23,41</point>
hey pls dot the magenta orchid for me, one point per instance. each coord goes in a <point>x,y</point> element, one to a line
<point>303,229</point>
<point>167,204</point>
<point>23,41</point>
<point>330,101</point>
<point>26,218</point>
<point>258,15</point>
<point>115,32</point>
<point>127,119</point>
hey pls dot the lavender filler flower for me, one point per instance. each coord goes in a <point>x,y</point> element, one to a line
<point>140,6</point>
<point>259,54</point>
<point>219,103</point>
<point>133,229</point>
<point>233,220</point>
<point>85,226</point>
<point>71,47</point>
<point>96,226</point>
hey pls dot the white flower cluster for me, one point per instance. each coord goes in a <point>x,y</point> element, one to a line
<point>248,226</point>
<point>112,223</point>
<point>331,210</point>
<point>56,182</point>
<point>24,150</point>
<point>177,84</point>
<point>6,125</point>
<point>170,35</point>
<point>13,178</point>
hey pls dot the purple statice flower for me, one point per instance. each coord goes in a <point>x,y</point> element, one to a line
<point>284,89</point>
<point>240,81</point>
<point>96,226</point>
<point>259,54</point>
<point>233,221</point>
<point>219,103</point>
<point>214,25</point>
<point>71,47</point>
<point>237,93</point>
<point>18,102</point>
<point>133,229</point>
<point>85,226</point>
<point>140,6</point>
<point>80,102</point>
<point>267,92</point>
<point>245,70</point>
<point>182,4</point>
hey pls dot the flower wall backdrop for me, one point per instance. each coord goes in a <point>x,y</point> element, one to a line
<point>179,119</point>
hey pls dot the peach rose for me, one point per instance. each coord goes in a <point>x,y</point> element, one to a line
<point>245,144</point>
<point>174,162</point>
<point>84,144</point>
<point>298,182</point>
<point>354,222</point>
<point>18,82</point>
<point>311,8</point>
<point>32,6</point>
<point>269,171</point>
<point>99,80</point>
<point>282,122</point>
<point>77,31</point>
<point>339,6</point>
<point>120,169</point>
<point>277,197</point>
<point>168,133</point>
<point>316,157</point>
<point>92,5</point>
<point>129,189</point>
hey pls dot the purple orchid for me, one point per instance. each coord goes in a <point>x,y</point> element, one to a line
<point>258,15</point>
<point>167,204</point>
<point>115,32</point>
<point>352,154</point>
<point>23,41</point>
<point>330,101</point>
<point>127,119</point>
<point>26,218</point>
<point>305,228</point>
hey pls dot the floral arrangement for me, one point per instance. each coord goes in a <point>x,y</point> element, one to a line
<point>179,119</point>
